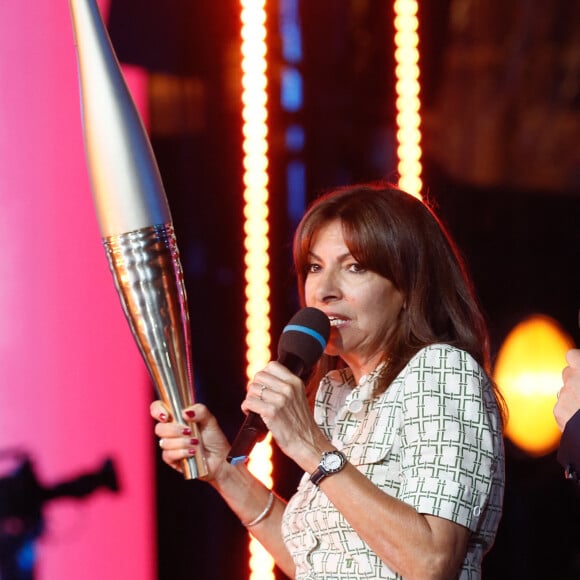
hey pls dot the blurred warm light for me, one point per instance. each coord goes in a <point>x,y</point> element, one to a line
<point>529,374</point>
<point>408,103</point>
<point>256,227</point>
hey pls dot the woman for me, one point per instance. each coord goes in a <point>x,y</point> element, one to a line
<point>403,455</point>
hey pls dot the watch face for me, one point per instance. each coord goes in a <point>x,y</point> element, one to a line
<point>332,462</point>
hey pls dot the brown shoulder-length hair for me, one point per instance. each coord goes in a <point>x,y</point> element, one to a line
<point>399,237</point>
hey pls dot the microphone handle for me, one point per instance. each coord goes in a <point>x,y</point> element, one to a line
<point>251,432</point>
<point>253,428</point>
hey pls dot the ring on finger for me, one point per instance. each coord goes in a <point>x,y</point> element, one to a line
<point>263,388</point>
<point>161,443</point>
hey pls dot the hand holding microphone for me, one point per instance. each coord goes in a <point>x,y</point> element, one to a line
<point>301,344</point>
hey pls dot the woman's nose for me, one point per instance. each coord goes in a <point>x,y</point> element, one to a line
<point>327,287</point>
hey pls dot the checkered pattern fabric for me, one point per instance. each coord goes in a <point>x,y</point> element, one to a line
<point>433,440</point>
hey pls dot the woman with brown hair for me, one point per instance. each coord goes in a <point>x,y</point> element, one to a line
<point>401,440</point>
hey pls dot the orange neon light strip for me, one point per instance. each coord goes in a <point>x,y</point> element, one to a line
<point>256,227</point>
<point>408,103</point>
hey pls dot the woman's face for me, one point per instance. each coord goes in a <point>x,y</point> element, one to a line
<point>359,303</point>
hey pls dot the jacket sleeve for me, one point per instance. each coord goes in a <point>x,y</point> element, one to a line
<point>569,450</point>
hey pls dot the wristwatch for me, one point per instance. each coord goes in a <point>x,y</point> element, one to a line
<point>331,462</point>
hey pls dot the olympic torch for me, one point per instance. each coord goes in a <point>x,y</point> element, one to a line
<point>134,219</point>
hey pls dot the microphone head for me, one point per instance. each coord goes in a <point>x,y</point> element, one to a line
<point>305,337</point>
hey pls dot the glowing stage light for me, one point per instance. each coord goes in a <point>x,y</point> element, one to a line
<point>257,276</point>
<point>529,374</point>
<point>408,103</point>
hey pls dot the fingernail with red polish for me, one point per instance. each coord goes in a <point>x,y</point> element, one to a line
<point>194,441</point>
<point>190,414</point>
<point>191,451</point>
<point>162,417</point>
<point>187,431</point>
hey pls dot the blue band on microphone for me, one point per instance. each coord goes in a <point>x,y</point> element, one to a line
<point>306,330</point>
<point>239,459</point>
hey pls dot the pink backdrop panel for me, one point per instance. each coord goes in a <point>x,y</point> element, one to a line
<point>74,388</point>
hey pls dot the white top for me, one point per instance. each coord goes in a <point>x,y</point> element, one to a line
<point>432,439</point>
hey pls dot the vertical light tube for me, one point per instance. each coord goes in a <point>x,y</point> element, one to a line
<point>408,103</point>
<point>256,227</point>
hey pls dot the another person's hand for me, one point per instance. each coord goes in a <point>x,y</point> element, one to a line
<point>568,402</point>
<point>178,440</point>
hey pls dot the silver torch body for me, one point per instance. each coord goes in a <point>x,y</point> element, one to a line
<point>134,219</point>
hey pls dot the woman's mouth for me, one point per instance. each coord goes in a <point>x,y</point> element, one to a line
<point>336,321</point>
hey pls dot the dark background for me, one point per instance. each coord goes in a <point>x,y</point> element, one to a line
<point>501,119</point>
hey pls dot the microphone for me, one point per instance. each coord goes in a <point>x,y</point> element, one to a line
<point>301,344</point>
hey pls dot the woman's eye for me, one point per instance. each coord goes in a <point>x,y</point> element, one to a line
<point>313,268</point>
<point>356,268</point>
